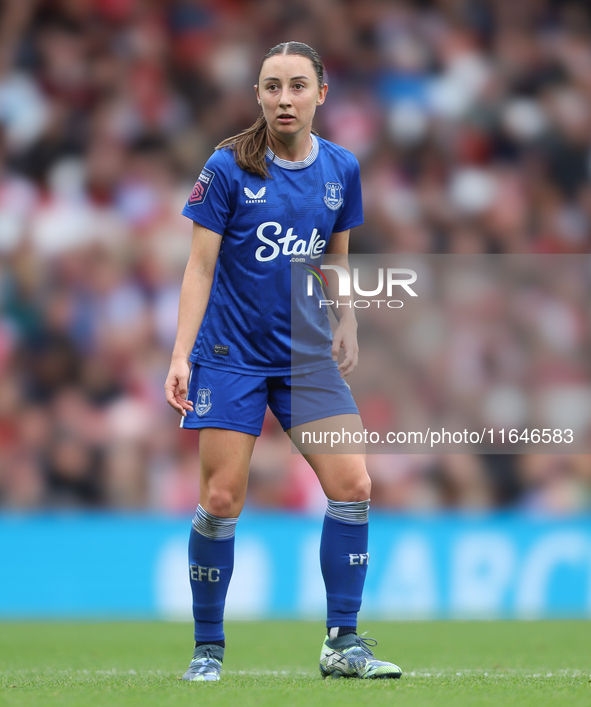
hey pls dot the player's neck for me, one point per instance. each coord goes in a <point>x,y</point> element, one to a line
<point>293,148</point>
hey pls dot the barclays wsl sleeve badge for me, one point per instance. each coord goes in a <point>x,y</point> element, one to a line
<point>201,187</point>
<point>203,401</point>
<point>334,195</point>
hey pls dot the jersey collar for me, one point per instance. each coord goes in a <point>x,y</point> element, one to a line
<point>286,164</point>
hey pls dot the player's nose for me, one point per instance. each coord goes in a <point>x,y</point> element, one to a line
<point>285,98</point>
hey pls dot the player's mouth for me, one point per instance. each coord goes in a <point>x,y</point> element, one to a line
<point>285,118</point>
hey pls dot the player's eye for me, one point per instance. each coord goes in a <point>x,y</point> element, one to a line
<point>272,87</point>
<point>298,85</point>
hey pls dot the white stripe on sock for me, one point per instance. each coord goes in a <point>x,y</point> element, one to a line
<point>213,527</point>
<point>353,512</point>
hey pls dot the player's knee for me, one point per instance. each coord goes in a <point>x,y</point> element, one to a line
<point>362,489</point>
<point>358,489</point>
<point>223,503</point>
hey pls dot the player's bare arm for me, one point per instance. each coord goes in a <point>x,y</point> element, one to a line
<point>195,291</point>
<point>345,336</point>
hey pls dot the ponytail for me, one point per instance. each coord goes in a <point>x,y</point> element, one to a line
<point>250,148</point>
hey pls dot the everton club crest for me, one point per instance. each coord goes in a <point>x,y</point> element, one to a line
<point>334,195</point>
<point>203,401</point>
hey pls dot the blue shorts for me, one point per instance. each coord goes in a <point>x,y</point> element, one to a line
<point>234,401</point>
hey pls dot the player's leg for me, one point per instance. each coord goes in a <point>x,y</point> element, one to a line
<point>310,407</point>
<point>344,543</point>
<point>327,429</point>
<point>344,559</point>
<point>224,463</point>
<point>227,400</point>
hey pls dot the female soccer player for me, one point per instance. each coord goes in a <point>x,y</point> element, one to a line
<point>273,193</point>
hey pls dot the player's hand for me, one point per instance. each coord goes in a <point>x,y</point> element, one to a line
<point>345,337</point>
<point>177,387</point>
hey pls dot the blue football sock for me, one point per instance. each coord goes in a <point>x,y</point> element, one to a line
<point>343,560</point>
<point>211,561</point>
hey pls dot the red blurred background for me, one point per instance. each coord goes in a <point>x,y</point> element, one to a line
<point>471,122</point>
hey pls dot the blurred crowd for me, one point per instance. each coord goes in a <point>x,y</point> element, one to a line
<point>471,120</point>
<point>489,345</point>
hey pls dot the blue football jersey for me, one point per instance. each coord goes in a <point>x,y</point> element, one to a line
<point>254,323</point>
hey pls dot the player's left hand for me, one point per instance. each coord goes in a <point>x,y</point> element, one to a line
<point>345,337</point>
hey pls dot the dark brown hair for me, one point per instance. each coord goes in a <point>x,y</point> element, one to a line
<point>250,146</point>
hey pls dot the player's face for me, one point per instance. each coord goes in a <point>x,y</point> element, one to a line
<point>289,94</point>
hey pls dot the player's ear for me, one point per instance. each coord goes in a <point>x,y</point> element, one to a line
<point>322,95</point>
<point>256,90</point>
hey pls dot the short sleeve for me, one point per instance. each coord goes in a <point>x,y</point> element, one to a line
<point>210,201</point>
<point>351,213</point>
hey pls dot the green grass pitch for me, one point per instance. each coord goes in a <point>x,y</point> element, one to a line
<point>272,664</point>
